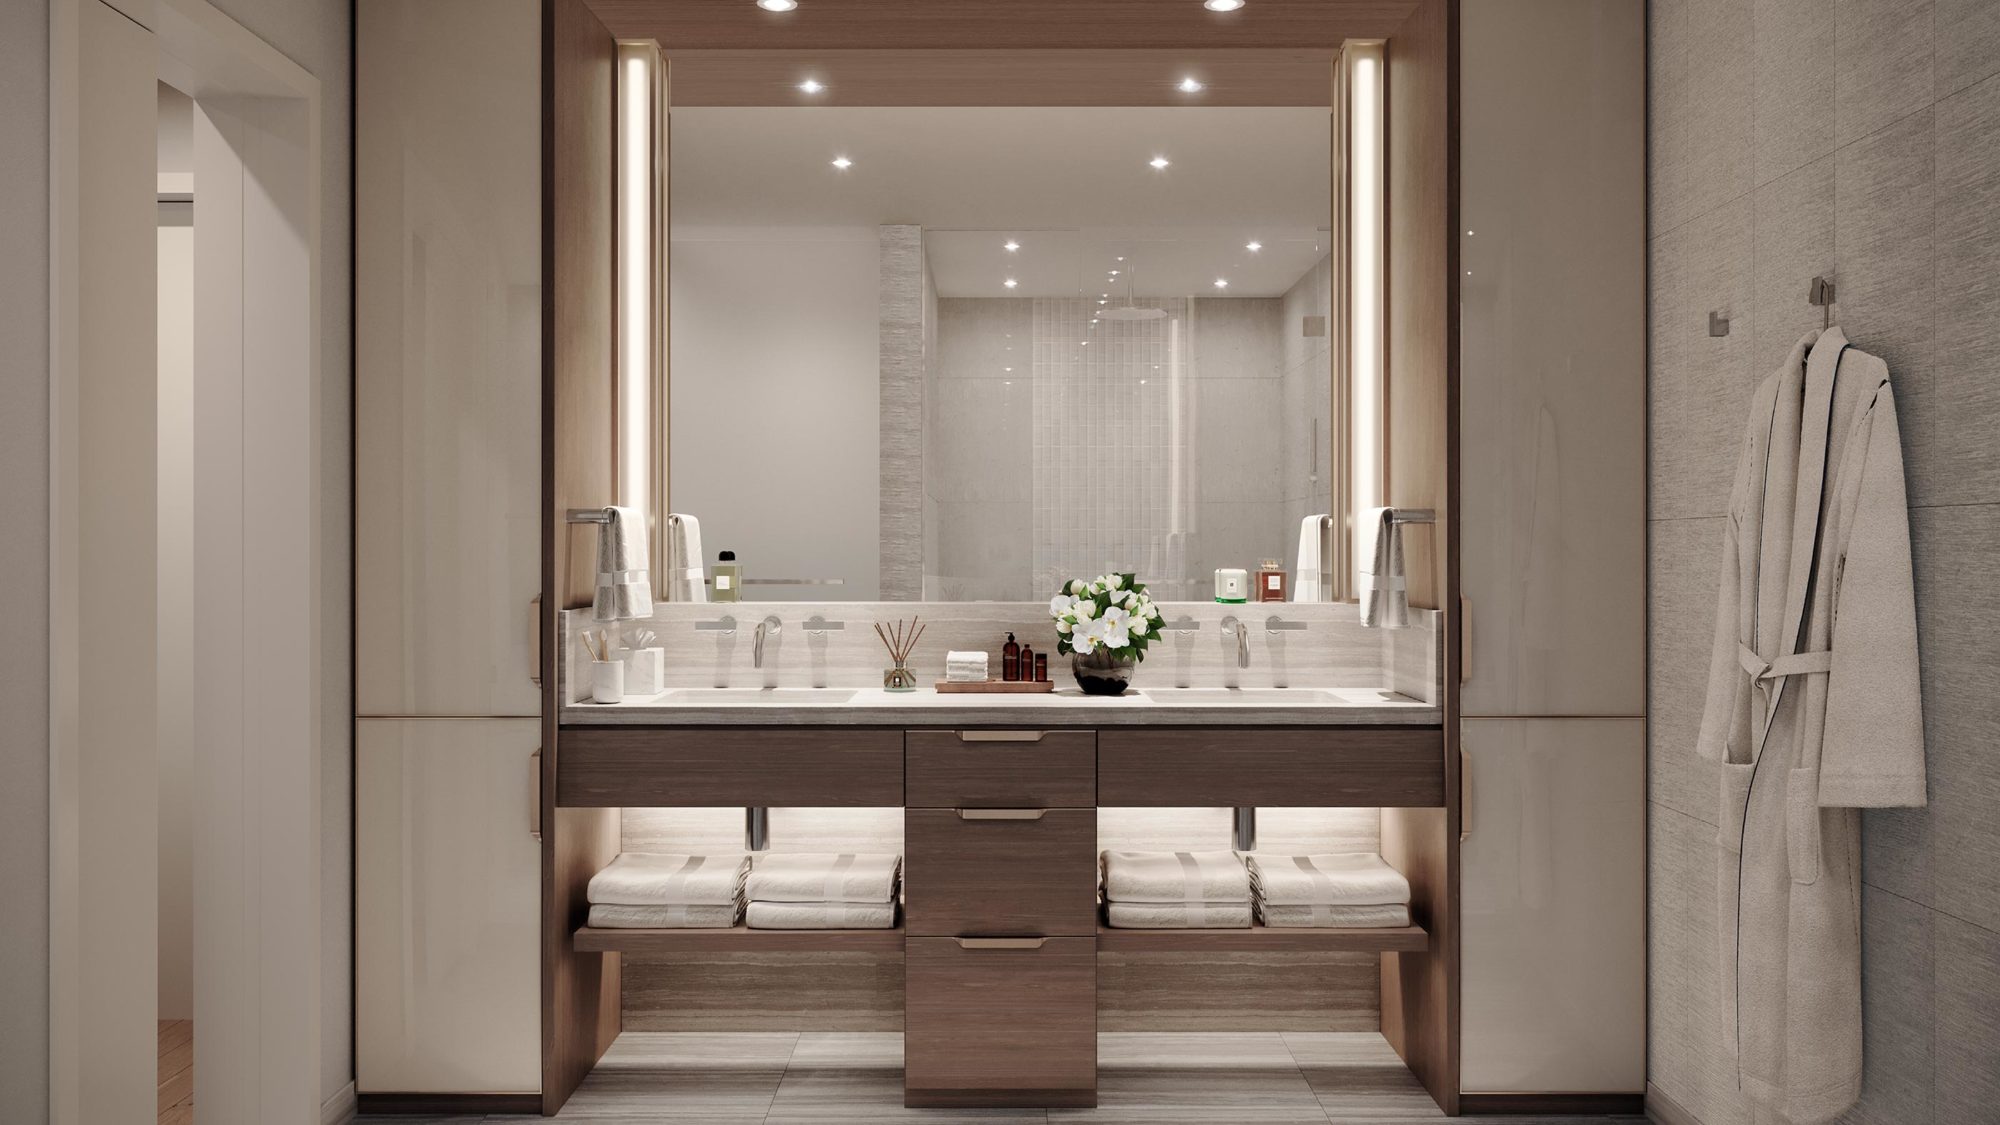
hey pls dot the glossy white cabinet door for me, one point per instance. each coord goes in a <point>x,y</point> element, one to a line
<point>447,333</point>
<point>1553,896</point>
<point>1553,356</point>
<point>448,883</point>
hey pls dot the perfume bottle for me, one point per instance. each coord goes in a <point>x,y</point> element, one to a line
<point>1271,581</point>
<point>728,578</point>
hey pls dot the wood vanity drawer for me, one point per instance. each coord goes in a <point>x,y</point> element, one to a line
<point>965,872</point>
<point>685,767</point>
<point>1001,768</point>
<point>1007,1024</point>
<point>1326,767</point>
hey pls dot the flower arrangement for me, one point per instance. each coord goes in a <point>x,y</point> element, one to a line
<point>1110,614</point>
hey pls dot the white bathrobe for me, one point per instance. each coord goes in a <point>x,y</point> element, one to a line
<point>1814,711</point>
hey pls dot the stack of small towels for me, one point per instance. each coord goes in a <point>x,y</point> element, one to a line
<point>849,891</point>
<point>1354,889</point>
<point>1176,890</point>
<point>965,667</point>
<point>651,890</point>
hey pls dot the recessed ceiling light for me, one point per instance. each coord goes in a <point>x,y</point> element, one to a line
<point>788,5</point>
<point>811,86</point>
<point>1222,5</point>
<point>1121,257</point>
<point>1159,163</point>
<point>1011,245</point>
<point>1083,343</point>
<point>1010,283</point>
<point>1006,369</point>
<point>1190,85</point>
<point>1222,283</point>
<point>1253,247</point>
<point>842,163</point>
<point>1102,301</point>
<point>1142,382</point>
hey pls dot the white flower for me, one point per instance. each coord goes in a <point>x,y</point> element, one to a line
<point>1082,645</point>
<point>1095,588</point>
<point>1131,601</point>
<point>1114,581</point>
<point>1076,586</point>
<point>1152,611</point>
<point>1115,617</point>
<point>1060,604</point>
<point>1139,626</point>
<point>1063,625</point>
<point>1084,610</point>
<point>1117,637</point>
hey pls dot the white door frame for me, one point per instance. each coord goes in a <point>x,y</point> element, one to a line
<point>258,632</point>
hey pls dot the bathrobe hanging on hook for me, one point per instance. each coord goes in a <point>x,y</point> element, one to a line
<point>1813,712</point>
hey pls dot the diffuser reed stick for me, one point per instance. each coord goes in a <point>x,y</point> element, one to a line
<point>901,640</point>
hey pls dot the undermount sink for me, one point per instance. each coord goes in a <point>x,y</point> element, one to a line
<point>752,697</point>
<point>1303,697</point>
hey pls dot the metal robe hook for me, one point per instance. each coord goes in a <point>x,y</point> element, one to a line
<point>1821,294</point>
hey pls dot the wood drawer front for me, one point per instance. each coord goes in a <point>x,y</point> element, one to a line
<point>1328,767</point>
<point>990,877</point>
<point>1001,769</point>
<point>684,767</point>
<point>998,1027</point>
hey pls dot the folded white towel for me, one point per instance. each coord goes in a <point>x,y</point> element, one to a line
<point>1305,577</point>
<point>660,879</point>
<point>686,581</point>
<point>1385,593</point>
<point>695,916</point>
<point>822,915</point>
<point>1175,877</point>
<point>624,584</point>
<point>805,877</point>
<point>965,667</point>
<point>1345,879</point>
<point>1334,917</point>
<point>1177,915</point>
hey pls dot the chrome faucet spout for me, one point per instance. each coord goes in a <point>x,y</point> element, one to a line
<point>765,627</point>
<point>1231,625</point>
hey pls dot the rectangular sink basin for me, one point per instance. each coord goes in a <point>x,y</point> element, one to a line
<point>756,697</point>
<point>1261,697</point>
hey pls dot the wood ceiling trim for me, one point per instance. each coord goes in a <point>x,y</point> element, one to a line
<point>995,25</point>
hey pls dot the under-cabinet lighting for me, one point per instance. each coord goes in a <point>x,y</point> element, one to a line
<point>777,5</point>
<point>842,163</point>
<point>1159,163</point>
<point>1222,5</point>
<point>1190,85</point>
<point>1010,283</point>
<point>1222,283</point>
<point>1011,246</point>
<point>811,86</point>
<point>1253,247</point>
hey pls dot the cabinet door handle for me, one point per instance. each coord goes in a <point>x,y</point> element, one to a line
<point>1000,942</point>
<point>1002,814</point>
<point>1464,792</point>
<point>1002,735</point>
<point>1464,640</point>
<point>535,794</point>
<point>535,639</point>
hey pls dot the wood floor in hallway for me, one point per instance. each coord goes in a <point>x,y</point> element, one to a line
<point>176,1072</point>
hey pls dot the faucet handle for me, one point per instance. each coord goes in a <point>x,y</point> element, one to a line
<point>725,624</point>
<point>772,624</point>
<point>1276,624</point>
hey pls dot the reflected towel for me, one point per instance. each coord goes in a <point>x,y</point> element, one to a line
<point>1334,917</point>
<point>822,915</point>
<point>1177,915</point>
<point>624,586</point>
<point>698,916</point>
<point>1305,576</point>
<point>1188,877</point>
<point>662,879</point>
<point>686,581</point>
<point>851,877</point>
<point>1344,879</point>
<point>1385,594</point>
<point>965,667</point>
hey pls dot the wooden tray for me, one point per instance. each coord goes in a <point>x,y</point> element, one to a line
<point>995,687</point>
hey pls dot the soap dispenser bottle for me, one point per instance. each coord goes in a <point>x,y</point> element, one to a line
<point>1010,660</point>
<point>728,578</point>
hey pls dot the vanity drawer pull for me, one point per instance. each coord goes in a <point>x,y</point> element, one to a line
<point>1002,735</point>
<point>1000,942</point>
<point>1002,814</point>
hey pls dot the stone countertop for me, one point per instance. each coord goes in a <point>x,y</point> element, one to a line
<point>926,707</point>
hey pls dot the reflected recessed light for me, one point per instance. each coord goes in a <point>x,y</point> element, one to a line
<point>811,86</point>
<point>1102,301</point>
<point>1189,85</point>
<point>788,5</point>
<point>1222,283</point>
<point>1253,247</point>
<point>1114,273</point>
<point>1159,163</point>
<point>1010,283</point>
<point>1083,343</point>
<point>842,163</point>
<point>1011,245</point>
<point>1222,5</point>
<point>1006,369</point>
<point>1142,382</point>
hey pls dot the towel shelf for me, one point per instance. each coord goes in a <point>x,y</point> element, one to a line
<point>737,939</point>
<point>1264,939</point>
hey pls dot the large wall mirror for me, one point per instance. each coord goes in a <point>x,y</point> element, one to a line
<point>966,352</point>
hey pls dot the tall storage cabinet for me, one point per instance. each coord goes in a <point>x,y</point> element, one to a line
<point>448,505</point>
<point>1553,559</point>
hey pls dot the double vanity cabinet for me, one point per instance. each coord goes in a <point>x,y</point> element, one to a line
<point>1000,927</point>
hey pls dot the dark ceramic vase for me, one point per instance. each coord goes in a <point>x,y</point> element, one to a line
<point>1103,672</point>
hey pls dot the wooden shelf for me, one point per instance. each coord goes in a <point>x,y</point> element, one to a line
<point>737,939</point>
<point>1264,939</point>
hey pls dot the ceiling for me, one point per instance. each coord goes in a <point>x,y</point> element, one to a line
<point>1072,185</point>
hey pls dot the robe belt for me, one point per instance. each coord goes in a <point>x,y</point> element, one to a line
<point>1796,664</point>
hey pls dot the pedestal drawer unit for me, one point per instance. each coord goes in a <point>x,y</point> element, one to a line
<point>1000,1021</point>
<point>987,872</point>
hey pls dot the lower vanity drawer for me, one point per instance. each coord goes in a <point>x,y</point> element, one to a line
<point>1000,871</point>
<point>950,769</point>
<point>1000,1021</point>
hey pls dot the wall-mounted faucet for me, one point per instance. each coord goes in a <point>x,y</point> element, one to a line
<point>1242,631</point>
<point>765,627</point>
<point>723,624</point>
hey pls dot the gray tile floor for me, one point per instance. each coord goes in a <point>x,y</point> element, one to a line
<point>781,1079</point>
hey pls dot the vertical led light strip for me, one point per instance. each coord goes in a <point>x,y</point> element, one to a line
<point>637,65</point>
<point>1366,277</point>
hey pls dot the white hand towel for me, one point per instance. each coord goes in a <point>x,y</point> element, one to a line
<point>1345,879</point>
<point>1385,594</point>
<point>850,877</point>
<point>1305,576</point>
<point>694,916</point>
<point>1175,877</point>
<point>1334,917</point>
<point>661,879</point>
<point>822,915</point>
<point>624,586</point>
<point>1177,915</point>
<point>965,667</point>
<point>686,581</point>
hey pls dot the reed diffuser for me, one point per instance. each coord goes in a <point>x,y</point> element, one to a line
<point>901,641</point>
